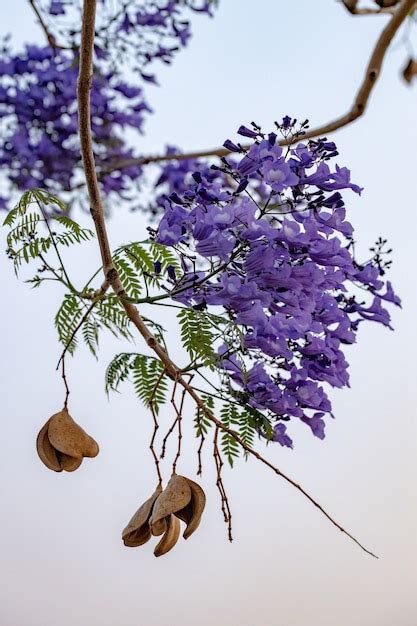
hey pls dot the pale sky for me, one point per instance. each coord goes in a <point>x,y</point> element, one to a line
<point>62,556</point>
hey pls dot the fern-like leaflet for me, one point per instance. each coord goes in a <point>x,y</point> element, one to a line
<point>26,242</point>
<point>197,336</point>
<point>113,316</point>
<point>145,373</point>
<point>230,417</point>
<point>90,333</point>
<point>201,422</point>
<point>69,314</point>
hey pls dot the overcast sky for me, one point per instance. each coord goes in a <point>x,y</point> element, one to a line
<point>63,561</point>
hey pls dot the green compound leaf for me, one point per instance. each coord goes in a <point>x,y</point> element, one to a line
<point>129,276</point>
<point>113,316</point>
<point>145,374</point>
<point>230,417</point>
<point>201,422</point>
<point>66,320</point>
<point>31,236</point>
<point>147,381</point>
<point>197,336</point>
<point>90,332</point>
<point>166,257</point>
<point>118,371</point>
<point>135,262</point>
<point>259,422</point>
<point>71,237</point>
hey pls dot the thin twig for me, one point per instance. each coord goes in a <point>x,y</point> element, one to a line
<point>64,378</point>
<point>179,422</point>
<point>99,294</point>
<point>70,340</point>
<point>227,514</point>
<point>171,429</point>
<point>51,234</point>
<point>156,425</point>
<point>167,436</point>
<point>357,109</point>
<point>74,332</point>
<point>200,447</point>
<point>151,445</point>
<point>110,272</point>
<point>49,36</point>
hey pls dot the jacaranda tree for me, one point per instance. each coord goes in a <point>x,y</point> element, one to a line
<point>249,244</point>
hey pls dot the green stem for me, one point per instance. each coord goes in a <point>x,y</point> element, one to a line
<point>69,284</point>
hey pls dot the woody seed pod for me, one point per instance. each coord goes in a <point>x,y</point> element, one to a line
<point>170,537</point>
<point>138,532</point>
<point>175,497</point>
<point>191,514</point>
<point>62,444</point>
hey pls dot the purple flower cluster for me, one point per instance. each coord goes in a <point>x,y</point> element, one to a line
<point>38,113</point>
<point>134,32</point>
<point>276,254</point>
<point>38,106</point>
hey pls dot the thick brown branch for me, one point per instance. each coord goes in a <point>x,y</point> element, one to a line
<point>372,73</point>
<point>352,7</point>
<point>110,272</point>
<point>357,109</point>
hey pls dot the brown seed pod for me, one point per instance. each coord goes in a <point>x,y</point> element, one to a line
<point>46,452</point>
<point>138,532</point>
<point>69,438</point>
<point>191,514</point>
<point>170,537</point>
<point>62,444</point>
<point>70,463</point>
<point>174,497</point>
<point>91,448</point>
<point>159,527</point>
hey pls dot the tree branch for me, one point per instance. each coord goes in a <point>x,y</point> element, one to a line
<point>110,272</point>
<point>357,109</point>
<point>352,7</point>
<point>372,73</point>
<point>49,36</point>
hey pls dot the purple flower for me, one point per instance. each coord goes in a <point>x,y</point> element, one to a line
<point>279,175</point>
<point>316,424</point>
<point>216,245</point>
<point>56,8</point>
<point>280,435</point>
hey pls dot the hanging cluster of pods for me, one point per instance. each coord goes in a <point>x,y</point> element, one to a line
<point>62,445</point>
<point>182,499</point>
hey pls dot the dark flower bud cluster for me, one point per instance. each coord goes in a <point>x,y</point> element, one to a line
<point>271,250</point>
<point>175,177</point>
